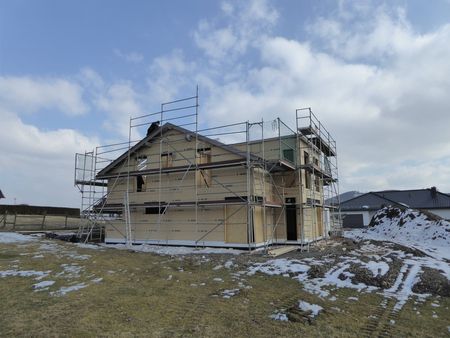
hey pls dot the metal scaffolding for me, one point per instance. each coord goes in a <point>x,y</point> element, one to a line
<point>320,169</point>
<point>271,156</point>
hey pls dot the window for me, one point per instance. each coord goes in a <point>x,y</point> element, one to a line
<point>204,175</point>
<point>305,157</point>
<point>288,154</point>
<point>141,162</point>
<point>140,183</point>
<point>155,210</point>
<point>308,180</point>
<point>166,160</point>
<point>317,183</point>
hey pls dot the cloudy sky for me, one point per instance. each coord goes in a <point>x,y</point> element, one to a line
<point>377,75</point>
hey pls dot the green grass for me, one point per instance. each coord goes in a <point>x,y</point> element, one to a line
<point>136,298</point>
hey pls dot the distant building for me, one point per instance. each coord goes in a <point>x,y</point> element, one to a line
<point>345,196</point>
<point>1,194</point>
<point>357,212</point>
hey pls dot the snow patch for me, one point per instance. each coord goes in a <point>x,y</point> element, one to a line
<point>230,293</point>
<point>12,237</point>
<point>88,246</point>
<point>279,267</point>
<point>279,316</point>
<point>24,273</point>
<point>410,228</point>
<point>70,271</point>
<point>43,284</point>
<point>378,268</point>
<point>66,289</point>
<point>174,250</point>
<point>307,307</point>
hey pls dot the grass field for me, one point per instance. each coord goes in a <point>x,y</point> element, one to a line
<point>109,292</point>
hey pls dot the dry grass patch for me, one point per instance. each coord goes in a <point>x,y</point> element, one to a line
<point>142,294</point>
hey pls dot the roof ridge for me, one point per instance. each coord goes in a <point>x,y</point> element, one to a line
<point>161,129</point>
<point>388,199</point>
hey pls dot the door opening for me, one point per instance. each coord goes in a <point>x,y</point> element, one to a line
<point>291,219</point>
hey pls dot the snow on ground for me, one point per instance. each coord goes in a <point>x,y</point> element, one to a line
<point>230,293</point>
<point>339,273</point>
<point>279,267</point>
<point>24,273</point>
<point>410,228</point>
<point>71,272</point>
<point>12,237</point>
<point>173,250</point>
<point>377,268</point>
<point>66,289</point>
<point>88,246</point>
<point>307,307</point>
<point>283,317</point>
<point>43,284</point>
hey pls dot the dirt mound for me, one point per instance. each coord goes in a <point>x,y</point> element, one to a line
<point>412,228</point>
<point>432,281</point>
<point>411,223</point>
<point>364,275</point>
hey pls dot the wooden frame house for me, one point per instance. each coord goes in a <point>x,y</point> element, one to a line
<point>177,186</point>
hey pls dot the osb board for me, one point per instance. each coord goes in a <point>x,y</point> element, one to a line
<point>275,252</point>
<point>280,230</point>
<point>167,232</point>
<point>235,224</point>
<point>181,187</point>
<point>258,225</point>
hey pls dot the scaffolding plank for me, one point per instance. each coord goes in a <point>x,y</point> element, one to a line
<point>281,251</point>
<point>96,183</point>
<point>213,165</point>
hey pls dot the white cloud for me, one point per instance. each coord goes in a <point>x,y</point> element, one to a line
<point>227,7</point>
<point>120,102</point>
<point>29,95</point>
<point>116,102</point>
<point>379,87</point>
<point>168,75</point>
<point>91,80</point>
<point>133,57</point>
<point>369,33</point>
<point>248,21</point>
<point>39,164</point>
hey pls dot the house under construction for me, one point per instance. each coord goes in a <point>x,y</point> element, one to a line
<point>239,185</point>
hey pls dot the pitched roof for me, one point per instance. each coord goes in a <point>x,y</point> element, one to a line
<point>345,196</point>
<point>416,199</point>
<point>1,194</point>
<point>367,201</point>
<point>162,129</point>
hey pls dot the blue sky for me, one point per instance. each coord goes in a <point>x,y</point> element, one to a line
<point>376,74</point>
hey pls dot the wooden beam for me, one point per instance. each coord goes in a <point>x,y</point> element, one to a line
<point>275,252</point>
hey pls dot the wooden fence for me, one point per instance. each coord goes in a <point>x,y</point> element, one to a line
<point>17,222</point>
